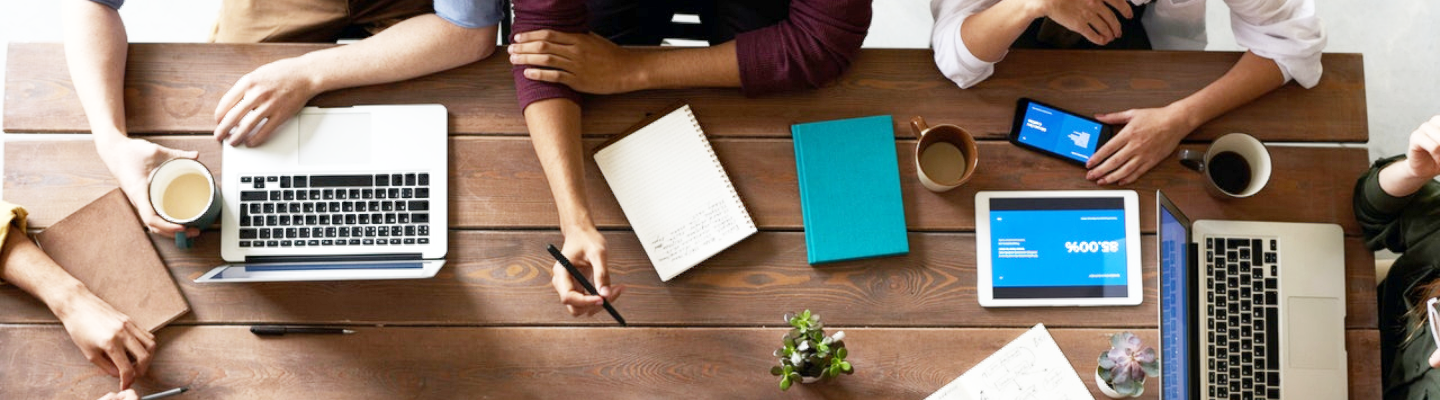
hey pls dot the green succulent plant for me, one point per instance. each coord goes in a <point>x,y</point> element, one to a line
<point>1126,365</point>
<point>806,352</point>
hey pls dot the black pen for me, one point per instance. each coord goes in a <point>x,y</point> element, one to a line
<point>277,330</point>
<point>565,262</point>
<point>164,394</point>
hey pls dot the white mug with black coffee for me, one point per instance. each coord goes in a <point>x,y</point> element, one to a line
<point>1236,165</point>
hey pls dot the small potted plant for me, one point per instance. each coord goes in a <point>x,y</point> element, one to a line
<point>807,355</point>
<point>1125,366</point>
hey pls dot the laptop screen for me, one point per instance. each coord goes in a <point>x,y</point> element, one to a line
<point>1174,315</point>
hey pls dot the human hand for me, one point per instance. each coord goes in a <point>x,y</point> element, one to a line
<point>1423,156</point>
<point>1149,136</point>
<point>125,395</point>
<point>105,336</point>
<point>1092,19</point>
<point>584,248</point>
<point>583,61</point>
<point>130,161</point>
<point>261,101</point>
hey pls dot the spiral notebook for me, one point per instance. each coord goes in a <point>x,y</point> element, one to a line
<point>674,191</point>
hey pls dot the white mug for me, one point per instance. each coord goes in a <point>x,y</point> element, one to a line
<point>1236,165</point>
<point>182,191</point>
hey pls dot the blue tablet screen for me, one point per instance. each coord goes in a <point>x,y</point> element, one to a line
<point>1059,132</point>
<point>1058,247</point>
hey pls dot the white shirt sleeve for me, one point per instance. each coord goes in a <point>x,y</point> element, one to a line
<point>1286,31</point>
<point>951,56</point>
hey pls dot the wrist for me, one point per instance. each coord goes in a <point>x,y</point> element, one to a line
<point>1033,9</point>
<point>308,72</point>
<point>1184,116</point>
<point>62,298</point>
<point>642,77</point>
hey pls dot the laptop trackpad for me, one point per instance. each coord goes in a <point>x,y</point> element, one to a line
<point>1313,339</point>
<point>335,139</point>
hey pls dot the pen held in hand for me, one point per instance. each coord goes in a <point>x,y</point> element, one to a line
<point>164,394</point>
<point>575,273</point>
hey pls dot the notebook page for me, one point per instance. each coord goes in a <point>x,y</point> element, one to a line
<point>674,193</point>
<point>1030,367</point>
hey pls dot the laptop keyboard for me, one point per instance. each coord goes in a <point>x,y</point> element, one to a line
<point>334,210</point>
<point>1243,318</point>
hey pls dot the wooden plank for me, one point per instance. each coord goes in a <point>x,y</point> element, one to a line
<point>503,278</point>
<point>225,362</point>
<point>496,182</point>
<point>179,84</point>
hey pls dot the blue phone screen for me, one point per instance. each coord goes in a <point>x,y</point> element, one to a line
<point>1059,132</point>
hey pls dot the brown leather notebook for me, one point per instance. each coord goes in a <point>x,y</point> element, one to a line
<point>105,246</point>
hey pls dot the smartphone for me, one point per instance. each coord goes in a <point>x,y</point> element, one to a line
<point>1434,320</point>
<point>1056,132</point>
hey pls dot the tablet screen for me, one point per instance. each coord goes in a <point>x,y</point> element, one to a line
<point>1057,247</point>
<point>1059,132</point>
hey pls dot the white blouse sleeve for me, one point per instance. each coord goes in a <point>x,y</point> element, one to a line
<point>1286,31</point>
<point>951,56</point>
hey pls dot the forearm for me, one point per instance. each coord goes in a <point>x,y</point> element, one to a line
<point>1399,180</point>
<point>988,34</point>
<point>1253,76</point>
<point>415,47</point>
<point>95,50</point>
<point>714,66</point>
<point>24,265</point>
<point>555,132</point>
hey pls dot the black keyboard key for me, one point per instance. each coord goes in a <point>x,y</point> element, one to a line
<point>380,193</point>
<point>1272,393</point>
<point>394,241</point>
<point>284,220</point>
<point>275,195</point>
<point>400,206</point>
<point>329,194</point>
<point>1271,299</point>
<point>264,233</point>
<point>409,179</point>
<point>248,234</point>
<point>422,241</point>
<point>327,242</point>
<point>422,193</point>
<point>364,219</point>
<point>300,243</point>
<point>311,220</point>
<point>382,180</point>
<point>284,243</point>
<point>419,205</point>
<point>390,218</point>
<point>394,193</point>
<point>349,219</point>
<point>369,242</point>
<point>259,184</point>
<point>244,243</point>
<point>272,243</point>
<point>270,220</point>
<point>396,230</point>
<point>313,242</point>
<point>1209,243</point>
<point>410,230</point>
<point>330,232</point>
<point>254,208</point>
<point>294,208</point>
<point>253,195</point>
<point>315,194</point>
<point>354,242</point>
<point>409,241</point>
<point>407,193</point>
<point>349,206</point>
<point>369,231</point>
<point>388,206</point>
<point>377,218</point>
<point>258,221</point>
<point>384,232</point>
<point>272,179</point>
<point>1235,243</point>
<point>301,195</point>
<point>355,194</point>
<point>1272,351</point>
<point>367,193</point>
<point>404,218</point>
<point>284,182</point>
<point>289,195</point>
<point>424,179</point>
<point>244,179</point>
<point>397,179</point>
<point>304,233</point>
<point>340,194</point>
<point>341,180</point>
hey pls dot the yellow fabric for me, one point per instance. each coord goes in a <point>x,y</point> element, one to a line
<point>12,216</point>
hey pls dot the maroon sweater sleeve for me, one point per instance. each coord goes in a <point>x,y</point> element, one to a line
<point>812,47</point>
<point>560,15</point>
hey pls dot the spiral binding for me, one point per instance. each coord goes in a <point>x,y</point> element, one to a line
<point>734,195</point>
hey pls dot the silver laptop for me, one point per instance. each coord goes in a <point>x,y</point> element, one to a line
<point>1250,310</point>
<point>338,194</point>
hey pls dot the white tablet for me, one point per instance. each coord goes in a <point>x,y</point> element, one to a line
<point>1058,248</point>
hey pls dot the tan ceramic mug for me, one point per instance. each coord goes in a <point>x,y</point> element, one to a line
<point>945,156</point>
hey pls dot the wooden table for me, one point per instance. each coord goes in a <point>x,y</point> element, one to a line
<point>489,325</point>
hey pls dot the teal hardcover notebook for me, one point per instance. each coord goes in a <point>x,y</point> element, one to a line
<point>850,189</point>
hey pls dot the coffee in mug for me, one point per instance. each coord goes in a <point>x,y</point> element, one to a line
<point>945,156</point>
<point>1235,165</point>
<point>183,191</point>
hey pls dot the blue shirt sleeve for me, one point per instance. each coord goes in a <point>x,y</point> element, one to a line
<point>115,4</point>
<point>464,13</point>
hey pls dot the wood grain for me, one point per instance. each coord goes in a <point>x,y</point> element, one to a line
<point>179,84</point>
<point>503,278</point>
<point>497,183</point>
<point>227,362</point>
